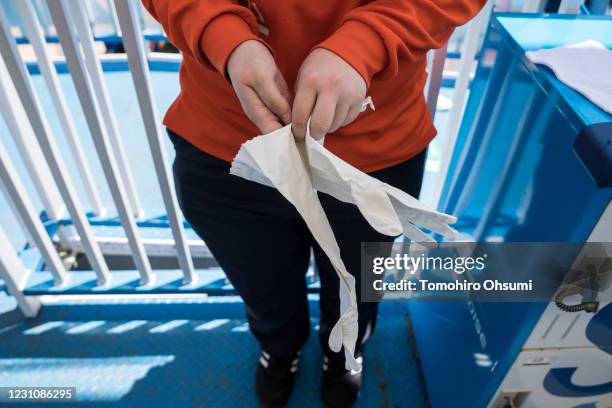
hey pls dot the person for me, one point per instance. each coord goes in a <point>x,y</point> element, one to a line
<point>251,67</point>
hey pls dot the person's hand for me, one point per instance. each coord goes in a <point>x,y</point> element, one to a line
<point>260,86</point>
<point>329,92</point>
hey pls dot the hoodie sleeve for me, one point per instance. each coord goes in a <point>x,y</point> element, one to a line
<point>207,30</point>
<point>373,38</point>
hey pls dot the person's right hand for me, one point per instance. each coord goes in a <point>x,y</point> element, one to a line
<point>260,86</point>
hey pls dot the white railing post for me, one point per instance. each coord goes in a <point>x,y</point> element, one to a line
<point>134,46</point>
<point>141,16</point>
<point>113,15</point>
<point>434,79</point>
<point>90,13</point>
<point>36,37</point>
<point>15,276</point>
<point>23,85</point>
<point>94,68</point>
<point>570,6</point>
<point>17,123</point>
<point>43,17</point>
<point>532,6</point>
<point>85,91</point>
<point>469,49</point>
<point>19,200</point>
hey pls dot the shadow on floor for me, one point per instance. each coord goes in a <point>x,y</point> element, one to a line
<point>187,353</point>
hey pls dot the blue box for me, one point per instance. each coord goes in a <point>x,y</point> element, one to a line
<point>531,164</point>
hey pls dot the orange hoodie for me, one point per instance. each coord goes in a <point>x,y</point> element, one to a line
<point>384,40</point>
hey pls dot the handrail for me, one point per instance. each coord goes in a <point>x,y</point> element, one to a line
<point>86,94</point>
<point>76,10</point>
<point>35,34</point>
<point>140,73</point>
<point>47,142</point>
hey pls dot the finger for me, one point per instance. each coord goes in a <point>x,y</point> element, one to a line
<point>304,102</point>
<point>257,111</point>
<point>416,235</point>
<point>271,95</point>
<point>352,114</point>
<point>322,115</point>
<point>339,117</point>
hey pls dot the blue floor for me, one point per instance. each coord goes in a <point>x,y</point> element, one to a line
<point>195,353</point>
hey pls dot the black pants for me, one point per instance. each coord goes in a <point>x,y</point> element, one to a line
<point>263,245</point>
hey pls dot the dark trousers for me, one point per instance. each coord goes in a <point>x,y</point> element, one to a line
<point>263,245</point>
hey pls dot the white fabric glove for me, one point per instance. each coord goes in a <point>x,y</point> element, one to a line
<point>278,161</point>
<point>297,170</point>
<point>387,209</point>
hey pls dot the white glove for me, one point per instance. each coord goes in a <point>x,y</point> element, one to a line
<point>387,209</point>
<point>277,160</point>
<point>297,170</point>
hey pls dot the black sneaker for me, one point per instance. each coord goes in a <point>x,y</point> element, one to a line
<point>274,379</point>
<point>339,387</point>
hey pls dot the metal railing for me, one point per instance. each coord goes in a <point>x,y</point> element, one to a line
<point>36,142</point>
<point>76,38</point>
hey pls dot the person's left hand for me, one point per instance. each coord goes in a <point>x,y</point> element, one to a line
<point>329,92</point>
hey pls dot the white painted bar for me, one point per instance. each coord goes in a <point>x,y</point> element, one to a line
<point>434,79</point>
<point>469,48</point>
<point>113,15</point>
<point>532,6</point>
<point>43,16</point>
<point>89,12</point>
<point>18,125</point>
<point>141,15</point>
<point>429,57</point>
<point>570,6</point>
<point>51,151</point>
<point>35,35</point>
<point>29,150</point>
<point>19,200</point>
<point>503,5</point>
<point>15,276</point>
<point>134,46</point>
<point>94,68</point>
<point>85,91</point>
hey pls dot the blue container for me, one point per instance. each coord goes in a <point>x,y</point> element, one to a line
<point>532,164</point>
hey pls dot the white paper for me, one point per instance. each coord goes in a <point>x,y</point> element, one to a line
<point>585,67</point>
